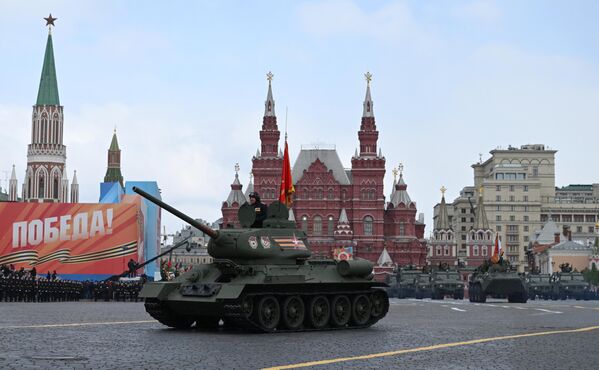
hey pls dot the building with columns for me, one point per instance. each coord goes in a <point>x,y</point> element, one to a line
<point>46,177</point>
<point>338,207</point>
<point>520,196</point>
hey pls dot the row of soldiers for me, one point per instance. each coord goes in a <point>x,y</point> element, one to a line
<point>14,289</point>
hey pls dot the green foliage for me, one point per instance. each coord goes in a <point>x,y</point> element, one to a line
<point>591,275</point>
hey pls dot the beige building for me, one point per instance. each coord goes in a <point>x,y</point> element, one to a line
<point>520,196</point>
<point>576,254</point>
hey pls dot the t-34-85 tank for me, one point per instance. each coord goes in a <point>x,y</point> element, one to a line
<point>263,279</point>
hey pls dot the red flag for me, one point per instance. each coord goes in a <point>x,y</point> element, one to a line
<point>497,249</point>
<point>287,188</point>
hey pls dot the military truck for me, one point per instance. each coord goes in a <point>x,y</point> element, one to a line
<point>497,280</point>
<point>264,279</point>
<point>539,285</point>
<point>569,285</point>
<point>405,285</point>
<point>423,286</point>
<point>446,283</point>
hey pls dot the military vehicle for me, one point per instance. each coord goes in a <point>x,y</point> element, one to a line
<point>423,286</point>
<point>405,282</point>
<point>262,279</point>
<point>539,285</point>
<point>497,280</point>
<point>446,283</point>
<point>569,284</point>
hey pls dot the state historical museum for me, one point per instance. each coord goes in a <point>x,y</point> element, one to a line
<point>342,210</point>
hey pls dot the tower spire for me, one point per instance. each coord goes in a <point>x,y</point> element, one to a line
<point>269,135</point>
<point>480,221</point>
<point>113,172</point>
<point>12,186</point>
<point>367,111</point>
<point>269,105</point>
<point>368,135</point>
<point>443,218</point>
<point>48,90</point>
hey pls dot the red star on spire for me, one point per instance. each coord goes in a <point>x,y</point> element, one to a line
<point>50,20</point>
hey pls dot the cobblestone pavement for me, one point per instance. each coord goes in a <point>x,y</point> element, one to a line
<point>121,335</point>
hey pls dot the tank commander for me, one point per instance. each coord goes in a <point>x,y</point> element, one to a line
<point>259,207</point>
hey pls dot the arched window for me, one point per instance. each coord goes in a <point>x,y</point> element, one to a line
<point>343,195</point>
<point>484,251</point>
<point>40,188</point>
<point>305,224</point>
<point>331,195</point>
<point>330,225</point>
<point>306,196</point>
<point>475,250</point>
<point>438,250</point>
<point>55,195</point>
<point>402,229</point>
<point>317,225</point>
<point>368,221</point>
<point>446,250</point>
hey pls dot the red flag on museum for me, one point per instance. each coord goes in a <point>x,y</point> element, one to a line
<point>287,188</point>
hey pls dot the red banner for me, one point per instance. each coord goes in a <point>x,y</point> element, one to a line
<point>71,238</point>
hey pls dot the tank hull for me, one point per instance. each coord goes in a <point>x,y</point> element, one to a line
<point>267,298</point>
<point>498,285</point>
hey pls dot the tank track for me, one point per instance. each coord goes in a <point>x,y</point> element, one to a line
<point>235,317</point>
<point>159,311</point>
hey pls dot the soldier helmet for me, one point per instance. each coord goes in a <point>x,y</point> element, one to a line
<point>255,195</point>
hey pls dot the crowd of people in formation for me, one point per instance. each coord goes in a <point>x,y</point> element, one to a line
<point>27,286</point>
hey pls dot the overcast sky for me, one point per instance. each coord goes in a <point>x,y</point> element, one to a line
<point>184,83</point>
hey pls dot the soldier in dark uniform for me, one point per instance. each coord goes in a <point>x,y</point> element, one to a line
<point>259,207</point>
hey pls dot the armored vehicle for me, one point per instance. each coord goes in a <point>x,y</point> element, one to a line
<point>497,280</point>
<point>262,279</point>
<point>423,286</point>
<point>569,285</point>
<point>405,284</point>
<point>446,283</point>
<point>539,285</point>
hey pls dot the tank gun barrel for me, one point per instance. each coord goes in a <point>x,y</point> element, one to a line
<point>207,230</point>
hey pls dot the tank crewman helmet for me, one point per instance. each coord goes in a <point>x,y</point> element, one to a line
<point>255,195</point>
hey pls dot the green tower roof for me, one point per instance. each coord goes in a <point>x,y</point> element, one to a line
<point>114,144</point>
<point>48,91</point>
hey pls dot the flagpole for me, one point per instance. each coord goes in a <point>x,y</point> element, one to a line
<point>286,111</point>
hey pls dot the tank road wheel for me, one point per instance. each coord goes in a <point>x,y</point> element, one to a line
<point>361,310</point>
<point>247,306</point>
<point>268,313</point>
<point>340,310</point>
<point>293,312</point>
<point>380,304</point>
<point>319,312</point>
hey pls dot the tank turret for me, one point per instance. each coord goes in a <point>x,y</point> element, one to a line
<point>278,241</point>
